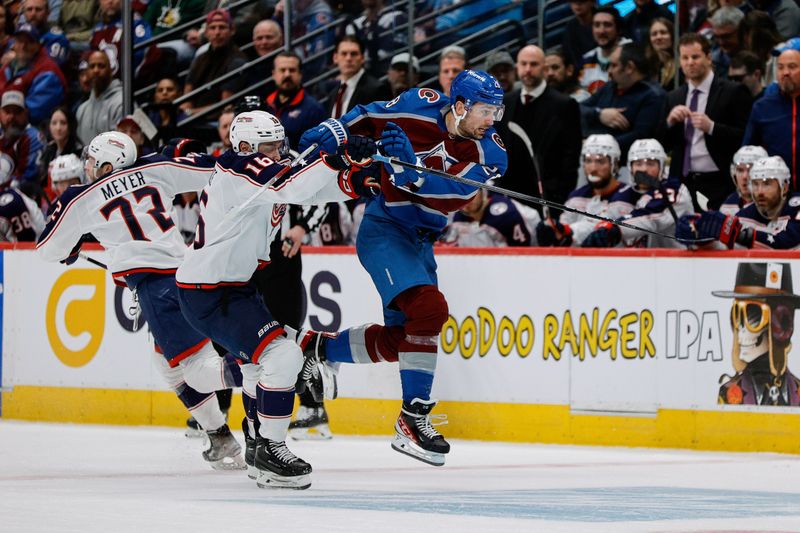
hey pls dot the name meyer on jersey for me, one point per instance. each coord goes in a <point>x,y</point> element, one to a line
<point>123,184</point>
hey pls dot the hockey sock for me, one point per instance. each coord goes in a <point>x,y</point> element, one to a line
<point>203,407</point>
<point>280,361</point>
<point>233,374</point>
<point>369,343</point>
<point>274,411</point>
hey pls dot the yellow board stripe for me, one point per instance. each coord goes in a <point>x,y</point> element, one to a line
<point>700,430</point>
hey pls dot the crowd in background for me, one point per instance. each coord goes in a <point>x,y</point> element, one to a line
<point>729,84</point>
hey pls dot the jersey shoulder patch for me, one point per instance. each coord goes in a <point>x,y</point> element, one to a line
<point>794,201</point>
<point>6,198</point>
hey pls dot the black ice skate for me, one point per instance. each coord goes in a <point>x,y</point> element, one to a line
<point>316,375</point>
<point>224,453</point>
<point>250,449</point>
<point>310,423</point>
<point>415,435</point>
<point>193,429</point>
<point>279,468</point>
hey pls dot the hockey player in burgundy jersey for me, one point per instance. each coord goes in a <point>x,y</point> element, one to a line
<point>772,221</point>
<point>395,239</point>
<point>241,212</point>
<point>741,164</point>
<point>21,220</point>
<point>125,207</point>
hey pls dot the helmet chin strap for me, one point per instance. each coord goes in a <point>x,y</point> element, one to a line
<point>458,118</point>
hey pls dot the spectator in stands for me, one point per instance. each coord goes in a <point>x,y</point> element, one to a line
<point>785,13</point>
<point>501,65</point>
<point>726,23</point>
<point>51,38</point>
<point>577,38</point>
<point>221,57</point>
<point>560,75</point>
<point>637,22</point>
<point>552,121</point>
<point>63,139</point>
<point>491,220</point>
<point>267,39</point>
<point>379,29</point>
<point>607,29</point>
<point>660,51</point>
<point>775,120</point>
<point>82,87</point>
<point>706,118</point>
<point>748,69</point>
<point>296,109</point>
<point>21,141</point>
<point>452,60</point>
<point>35,74</point>
<point>354,85</point>
<point>163,15</point>
<point>628,107</point>
<point>478,13</point>
<point>77,19</point>
<point>130,126</point>
<point>6,53</point>
<point>101,112</point>
<point>308,16</point>
<point>107,34</point>
<point>223,129</point>
<point>397,75</point>
<point>164,114</point>
<point>760,36</point>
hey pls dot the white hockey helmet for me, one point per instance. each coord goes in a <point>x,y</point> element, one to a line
<point>254,128</point>
<point>6,169</point>
<point>768,168</point>
<point>112,147</point>
<point>746,155</point>
<point>602,144</point>
<point>643,149</point>
<point>65,167</point>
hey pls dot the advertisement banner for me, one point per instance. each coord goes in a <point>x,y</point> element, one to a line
<point>601,334</point>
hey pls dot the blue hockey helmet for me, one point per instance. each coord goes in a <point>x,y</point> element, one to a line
<point>473,86</point>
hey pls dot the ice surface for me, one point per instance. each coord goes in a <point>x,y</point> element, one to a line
<point>77,478</point>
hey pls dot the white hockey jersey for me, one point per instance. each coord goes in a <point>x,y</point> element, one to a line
<point>612,205</point>
<point>128,213</point>
<point>228,249</point>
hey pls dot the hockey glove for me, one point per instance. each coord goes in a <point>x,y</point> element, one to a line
<point>553,233</point>
<point>76,251</point>
<point>179,147</point>
<point>605,235</point>
<point>356,152</point>
<point>395,143</point>
<point>716,225</point>
<point>328,135</point>
<point>366,181</point>
<point>686,229</point>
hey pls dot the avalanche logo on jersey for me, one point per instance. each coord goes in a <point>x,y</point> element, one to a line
<point>278,210</point>
<point>437,158</point>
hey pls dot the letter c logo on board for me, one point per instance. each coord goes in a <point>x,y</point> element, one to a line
<point>75,315</point>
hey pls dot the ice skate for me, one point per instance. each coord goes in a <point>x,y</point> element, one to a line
<point>224,453</point>
<point>316,375</point>
<point>193,429</point>
<point>279,468</point>
<point>415,435</point>
<point>249,449</point>
<point>310,423</point>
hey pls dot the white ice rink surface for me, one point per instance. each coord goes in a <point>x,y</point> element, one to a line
<point>75,478</point>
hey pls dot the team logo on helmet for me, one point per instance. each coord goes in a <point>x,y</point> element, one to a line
<point>114,142</point>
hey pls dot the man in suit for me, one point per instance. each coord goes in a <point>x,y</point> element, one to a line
<point>552,121</point>
<point>354,85</point>
<point>706,119</point>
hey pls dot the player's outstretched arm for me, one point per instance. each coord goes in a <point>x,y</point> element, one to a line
<point>63,230</point>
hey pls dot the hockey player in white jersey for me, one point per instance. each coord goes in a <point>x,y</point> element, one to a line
<point>21,220</point>
<point>741,164</point>
<point>655,209</point>
<point>125,207</point>
<point>241,210</point>
<point>600,156</point>
<point>66,170</point>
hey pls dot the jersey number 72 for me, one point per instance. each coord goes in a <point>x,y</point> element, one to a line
<point>156,212</point>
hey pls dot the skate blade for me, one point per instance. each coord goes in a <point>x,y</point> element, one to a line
<point>252,472</point>
<point>229,463</point>
<point>407,447</point>
<point>271,480</point>
<point>321,432</point>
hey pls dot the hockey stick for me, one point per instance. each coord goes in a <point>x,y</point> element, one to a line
<point>92,261</point>
<point>513,194</point>
<point>517,130</point>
